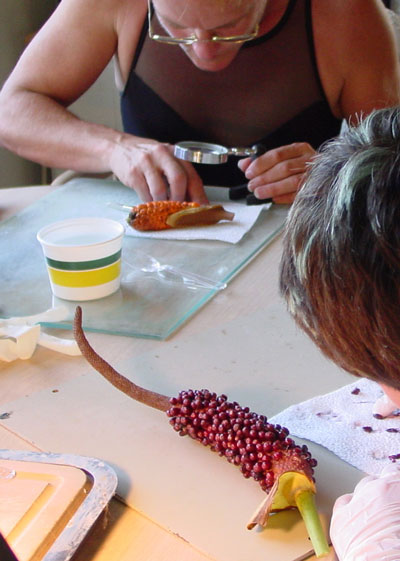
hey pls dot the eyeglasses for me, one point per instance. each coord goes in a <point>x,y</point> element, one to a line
<point>168,39</point>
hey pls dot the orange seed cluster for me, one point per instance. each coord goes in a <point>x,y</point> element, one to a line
<point>153,215</point>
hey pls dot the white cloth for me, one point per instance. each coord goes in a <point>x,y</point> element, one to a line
<point>19,336</point>
<point>365,524</point>
<point>224,231</point>
<point>343,422</point>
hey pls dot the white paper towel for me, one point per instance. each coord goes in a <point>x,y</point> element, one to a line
<point>225,231</point>
<point>343,422</point>
<point>19,336</point>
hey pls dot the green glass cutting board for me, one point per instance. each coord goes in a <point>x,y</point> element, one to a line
<point>148,307</point>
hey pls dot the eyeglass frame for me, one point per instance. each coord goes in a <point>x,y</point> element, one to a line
<point>170,40</point>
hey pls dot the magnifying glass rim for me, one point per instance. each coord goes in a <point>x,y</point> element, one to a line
<point>192,151</point>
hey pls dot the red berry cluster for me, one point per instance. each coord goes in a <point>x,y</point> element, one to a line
<point>246,439</point>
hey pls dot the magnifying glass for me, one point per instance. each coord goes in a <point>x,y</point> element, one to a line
<point>206,153</point>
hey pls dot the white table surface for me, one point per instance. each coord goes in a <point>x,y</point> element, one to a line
<point>242,343</point>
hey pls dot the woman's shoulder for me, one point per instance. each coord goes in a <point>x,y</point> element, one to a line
<point>110,11</point>
<point>349,17</point>
<point>347,30</point>
<point>356,54</point>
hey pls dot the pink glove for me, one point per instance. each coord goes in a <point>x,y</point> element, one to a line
<point>365,525</point>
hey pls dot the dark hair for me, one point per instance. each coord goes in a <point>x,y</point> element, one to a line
<point>340,268</point>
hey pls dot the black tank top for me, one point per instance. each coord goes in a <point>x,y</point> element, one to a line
<point>271,94</point>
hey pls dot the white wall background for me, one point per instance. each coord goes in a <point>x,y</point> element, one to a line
<point>18,19</point>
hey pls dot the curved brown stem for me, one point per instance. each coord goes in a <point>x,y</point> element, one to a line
<point>152,399</point>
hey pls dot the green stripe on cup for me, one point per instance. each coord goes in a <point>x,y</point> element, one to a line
<point>78,279</point>
<point>83,265</point>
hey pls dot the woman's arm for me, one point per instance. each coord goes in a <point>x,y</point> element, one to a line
<point>63,60</point>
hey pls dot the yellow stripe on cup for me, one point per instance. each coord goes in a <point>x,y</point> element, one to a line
<point>76,279</point>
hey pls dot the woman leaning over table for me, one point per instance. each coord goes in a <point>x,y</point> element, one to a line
<point>234,72</point>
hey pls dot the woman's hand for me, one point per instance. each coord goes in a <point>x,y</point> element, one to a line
<point>151,169</point>
<point>279,172</point>
<point>366,524</point>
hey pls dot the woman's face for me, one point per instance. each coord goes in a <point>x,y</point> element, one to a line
<point>207,18</point>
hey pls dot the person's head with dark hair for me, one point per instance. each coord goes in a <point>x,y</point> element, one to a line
<point>340,269</point>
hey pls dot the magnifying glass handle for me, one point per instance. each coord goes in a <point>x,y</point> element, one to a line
<point>238,192</point>
<point>241,191</point>
<point>252,200</point>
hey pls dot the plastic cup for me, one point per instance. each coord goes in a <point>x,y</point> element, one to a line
<point>83,257</point>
